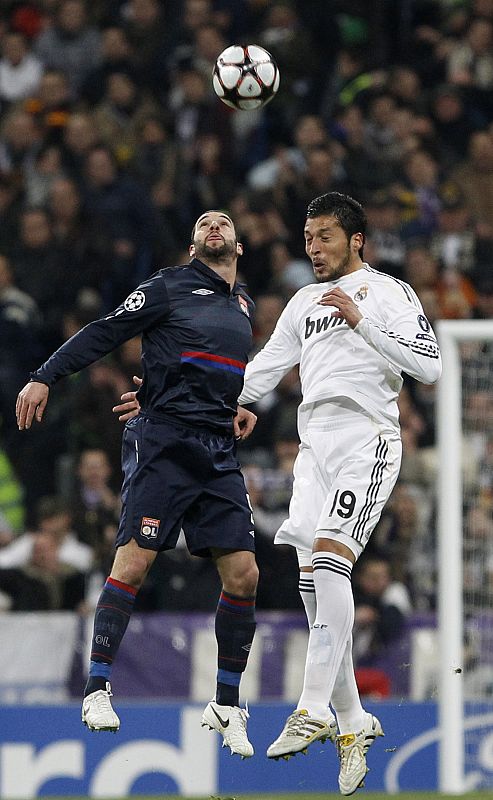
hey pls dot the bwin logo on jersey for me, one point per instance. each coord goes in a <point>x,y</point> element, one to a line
<point>321,325</point>
<point>134,301</point>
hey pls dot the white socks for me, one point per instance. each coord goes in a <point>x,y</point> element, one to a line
<point>329,673</point>
<point>345,700</point>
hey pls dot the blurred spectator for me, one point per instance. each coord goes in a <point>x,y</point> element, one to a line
<point>10,204</point>
<point>47,168</point>
<point>70,44</point>
<point>475,178</point>
<point>309,132</point>
<point>94,504</point>
<point>384,232</point>
<point>470,63</point>
<point>12,500</point>
<point>116,56</point>
<point>483,307</point>
<point>452,122</point>
<point>19,142</point>
<point>54,519</point>
<point>455,294</point>
<point>156,155</point>
<point>44,582</point>
<point>210,178</point>
<point>288,273</point>
<point>120,113</point>
<point>51,105</point>
<point>149,28</point>
<point>80,135</point>
<point>19,349</point>
<point>82,247</point>
<point>20,70</point>
<point>419,196</point>
<point>120,206</point>
<point>454,243</point>
<point>381,605</point>
<point>270,490</point>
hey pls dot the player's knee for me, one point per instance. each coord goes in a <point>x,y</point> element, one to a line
<point>243,583</point>
<point>132,569</point>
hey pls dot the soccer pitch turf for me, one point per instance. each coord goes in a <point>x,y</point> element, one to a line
<point>486,795</point>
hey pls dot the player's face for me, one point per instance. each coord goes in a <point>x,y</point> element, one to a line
<point>328,249</point>
<point>214,238</point>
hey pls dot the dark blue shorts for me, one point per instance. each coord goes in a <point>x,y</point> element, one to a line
<point>177,477</point>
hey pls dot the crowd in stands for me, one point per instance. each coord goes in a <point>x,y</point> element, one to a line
<point>112,142</point>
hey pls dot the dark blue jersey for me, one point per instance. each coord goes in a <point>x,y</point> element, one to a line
<point>196,336</point>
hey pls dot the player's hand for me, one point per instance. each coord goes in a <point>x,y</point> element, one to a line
<point>31,403</point>
<point>130,406</point>
<point>346,307</point>
<point>244,423</point>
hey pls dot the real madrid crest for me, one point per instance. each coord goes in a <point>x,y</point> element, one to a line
<point>361,293</point>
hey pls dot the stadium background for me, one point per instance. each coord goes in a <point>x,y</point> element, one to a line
<point>111,144</point>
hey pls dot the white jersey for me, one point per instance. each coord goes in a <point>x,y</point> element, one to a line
<point>363,365</point>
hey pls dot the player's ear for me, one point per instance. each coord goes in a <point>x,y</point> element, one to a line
<point>239,249</point>
<point>357,241</point>
<point>191,250</point>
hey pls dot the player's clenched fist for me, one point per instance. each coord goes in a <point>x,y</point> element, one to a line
<point>31,403</point>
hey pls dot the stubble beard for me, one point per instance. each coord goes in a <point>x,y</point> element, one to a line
<point>337,272</point>
<point>222,254</point>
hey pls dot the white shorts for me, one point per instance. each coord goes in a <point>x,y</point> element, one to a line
<point>344,474</point>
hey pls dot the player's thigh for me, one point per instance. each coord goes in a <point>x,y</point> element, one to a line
<point>157,487</point>
<point>307,501</point>
<point>221,518</point>
<point>366,461</point>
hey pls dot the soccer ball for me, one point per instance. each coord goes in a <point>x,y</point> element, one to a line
<point>245,77</point>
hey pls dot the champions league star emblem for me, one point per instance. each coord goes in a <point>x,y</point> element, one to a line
<point>134,301</point>
<point>361,293</point>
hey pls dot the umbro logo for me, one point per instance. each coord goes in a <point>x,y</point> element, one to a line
<point>202,291</point>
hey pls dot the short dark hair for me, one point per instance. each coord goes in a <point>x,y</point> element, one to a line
<point>346,210</point>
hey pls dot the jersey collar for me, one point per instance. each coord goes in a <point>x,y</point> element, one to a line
<point>201,267</point>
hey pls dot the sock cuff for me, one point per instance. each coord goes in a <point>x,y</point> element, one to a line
<point>324,560</point>
<point>237,603</point>
<point>119,586</point>
<point>306,582</point>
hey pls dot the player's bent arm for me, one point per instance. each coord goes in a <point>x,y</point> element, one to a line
<point>277,357</point>
<point>406,344</point>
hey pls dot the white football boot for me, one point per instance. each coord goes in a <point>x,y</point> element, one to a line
<point>300,731</point>
<point>352,749</point>
<point>231,723</point>
<point>98,713</point>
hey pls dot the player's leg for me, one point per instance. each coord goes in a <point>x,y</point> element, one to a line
<point>345,696</point>
<point>303,727</point>
<point>353,507</point>
<point>220,524</point>
<point>154,496</point>
<point>113,611</point>
<point>235,628</point>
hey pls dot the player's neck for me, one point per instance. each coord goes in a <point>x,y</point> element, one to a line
<point>227,271</point>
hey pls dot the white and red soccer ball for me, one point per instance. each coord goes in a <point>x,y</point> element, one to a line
<point>245,77</point>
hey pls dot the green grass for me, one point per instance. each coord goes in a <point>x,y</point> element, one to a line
<point>486,795</point>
